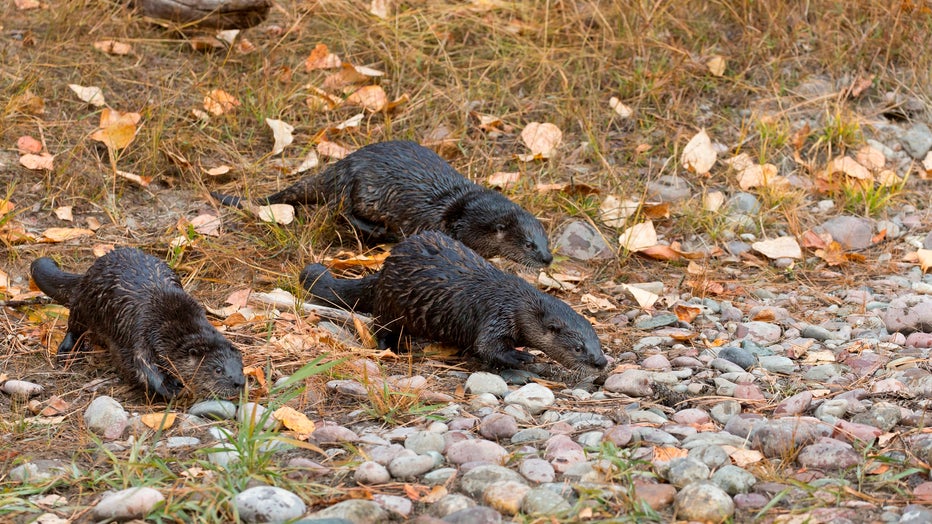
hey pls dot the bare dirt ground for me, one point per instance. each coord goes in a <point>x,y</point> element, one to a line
<point>793,87</point>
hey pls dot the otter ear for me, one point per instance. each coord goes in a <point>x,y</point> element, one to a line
<point>500,230</point>
<point>553,326</point>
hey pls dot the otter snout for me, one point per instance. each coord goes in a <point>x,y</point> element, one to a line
<point>594,353</point>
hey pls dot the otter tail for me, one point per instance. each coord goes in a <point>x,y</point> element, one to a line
<point>357,294</point>
<point>308,190</point>
<point>53,281</point>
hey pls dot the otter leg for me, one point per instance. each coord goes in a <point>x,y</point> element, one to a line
<point>146,370</point>
<point>72,340</point>
<point>498,350</point>
<point>372,230</point>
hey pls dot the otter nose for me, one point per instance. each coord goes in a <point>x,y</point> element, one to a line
<point>546,257</point>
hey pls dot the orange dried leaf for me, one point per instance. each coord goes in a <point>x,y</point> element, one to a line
<point>346,76</point>
<point>812,239</point>
<point>373,261</point>
<point>64,213</point>
<point>6,206</point>
<point>716,65</point>
<point>218,102</point>
<point>26,144</point>
<point>321,58</point>
<point>660,252</point>
<point>925,259</point>
<point>370,98</point>
<point>833,254</point>
<point>436,493</point>
<point>55,406</point>
<point>332,150</point>
<point>414,492</point>
<point>257,374</point>
<point>800,136</point>
<point>143,181</point>
<point>502,179</point>
<point>668,453</point>
<point>158,421</point>
<point>364,333</point>
<point>685,312</point>
<point>656,211</point>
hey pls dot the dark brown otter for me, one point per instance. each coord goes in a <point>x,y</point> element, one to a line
<point>436,288</point>
<point>390,190</point>
<point>133,304</point>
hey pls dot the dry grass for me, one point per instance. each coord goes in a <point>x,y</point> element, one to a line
<point>522,61</point>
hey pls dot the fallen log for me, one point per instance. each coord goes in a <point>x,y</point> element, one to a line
<point>217,14</point>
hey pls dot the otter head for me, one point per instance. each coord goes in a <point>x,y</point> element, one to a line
<point>563,335</point>
<point>514,234</point>
<point>217,366</point>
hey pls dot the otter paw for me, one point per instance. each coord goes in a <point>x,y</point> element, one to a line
<point>515,357</point>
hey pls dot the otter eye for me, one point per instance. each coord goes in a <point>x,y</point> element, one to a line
<point>529,245</point>
<point>218,371</point>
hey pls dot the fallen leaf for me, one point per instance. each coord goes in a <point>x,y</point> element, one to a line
<point>554,282</point>
<point>699,155</point>
<point>370,98</point>
<point>332,150</point>
<point>380,8</point>
<point>282,133</point>
<point>93,223</point>
<point>117,129</point>
<point>716,65</point>
<point>488,123</point>
<point>100,250</point>
<point>925,259</point>
<point>638,237</point>
<point>542,139</point>
<point>61,234</point>
<point>713,200</point>
<point>927,165</point>
<point>811,239</point>
<point>595,304</point>
<point>782,247</point>
<point>295,421</point>
<point>64,213</point>
<point>888,178</point>
<point>228,36</point>
<point>668,453</point>
<point>6,206</point>
<point>833,254</point>
<point>661,252</point>
<point>871,157</point>
<point>744,457</point>
<point>503,180</point>
<point>645,299</point>
<point>686,312</point>
<point>112,47</point>
<point>26,144</point>
<point>218,102</point>
<point>143,181</point>
<point>757,175</point>
<point>368,71</point>
<point>614,212</point>
<point>206,44</point>
<point>55,406</point>
<point>37,162</point>
<point>655,210</point>
<point>239,298</point>
<point>279,213</point>
<point>859,85</point>
<point>25,5</point>
<point>364,334</point>
<point>352,121</point>
<point>321,100</point>
<point>257,374</point>
<point>620,108</point>
<point>244,46</point>
<point>848,167</point>
<point>28,103</point>
<point>799,136</point>
<point>310,162</point>
<point>217,171</point>
<point>346,76</point>
<point>436,493</point>
<point>368,261</point>
<point>206,224</point>
<point>321,58</point>
<point>158,421</point>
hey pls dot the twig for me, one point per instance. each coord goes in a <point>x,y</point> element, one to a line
<point>31,301</point>
<point>322,311</point>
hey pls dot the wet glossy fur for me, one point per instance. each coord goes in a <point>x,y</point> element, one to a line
<point>134,304</point>
<point>390,190</point>
<point>434,287</point>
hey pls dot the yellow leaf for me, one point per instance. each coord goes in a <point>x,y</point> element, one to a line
<point>781,247</point>
<point>143,181</point>
<point>716,65</point>
<point>117,129</point>
<point>61,234</point>
<point>541,139</point>
<point>92,94</point>
<point>219,102</point>
<point>699,155</point>
<point>158,421</point>
<point>295,421</point>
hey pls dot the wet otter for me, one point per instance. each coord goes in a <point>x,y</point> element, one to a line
<point>133,304</point>
<point>389,190</point>
<point>434,287</point>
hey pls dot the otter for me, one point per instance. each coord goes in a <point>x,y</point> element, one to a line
<point>390,190</point>
<point>434,287</point>
<point>159,336</point>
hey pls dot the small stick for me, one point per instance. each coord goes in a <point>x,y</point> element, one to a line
<point>31,301</point>
<point>322,311</point>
